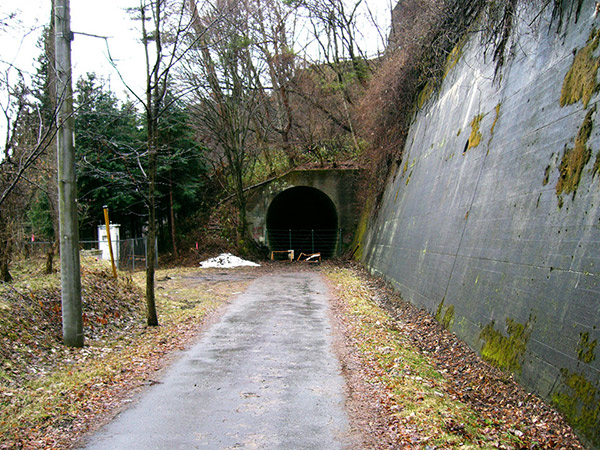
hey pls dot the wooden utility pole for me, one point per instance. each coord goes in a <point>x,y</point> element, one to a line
<point>70,272</point>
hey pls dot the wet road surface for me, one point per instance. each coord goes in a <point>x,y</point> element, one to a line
<point>263,377</point>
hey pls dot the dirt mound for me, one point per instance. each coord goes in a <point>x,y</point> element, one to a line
<point>31,316</point>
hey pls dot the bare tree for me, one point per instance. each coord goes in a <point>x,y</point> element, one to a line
<point>158,67</point>
<point>44,89</point>
<point>222,75</point>
<point>26,139</point>
<point>341,61</point>
<point>164,25</point>
<point>275,40</point>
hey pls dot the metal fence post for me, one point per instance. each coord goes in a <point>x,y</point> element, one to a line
<point>290,231</point>
<point>312,240</point>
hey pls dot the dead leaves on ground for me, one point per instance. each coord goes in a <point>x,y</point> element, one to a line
<point>411,383</point>
<point>433,392</point>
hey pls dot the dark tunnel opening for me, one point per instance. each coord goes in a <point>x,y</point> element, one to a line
<point>302,219</point>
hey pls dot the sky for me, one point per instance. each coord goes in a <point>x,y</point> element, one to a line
<point>18,43</point>
<point>106,18</point>
<point>89,54</point>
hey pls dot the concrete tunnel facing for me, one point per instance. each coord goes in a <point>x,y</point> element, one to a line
<point>303,219</point>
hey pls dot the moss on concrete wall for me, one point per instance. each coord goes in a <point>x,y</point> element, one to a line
<point>585,348</point>
<point>580,82</point>
<point>529,256</point>
<point>574,159</point>
<point>506,352</point>
<point>578,398</point>
<point>580,403</point>
<point>497,109</point>
<point>357,242</point>
<point>445,316</point>
<point>475,136</point>
<point>454,56</point>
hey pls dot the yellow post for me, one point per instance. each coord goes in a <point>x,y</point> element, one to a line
<point>112,258</point>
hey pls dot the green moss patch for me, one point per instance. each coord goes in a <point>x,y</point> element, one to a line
<point>547,175</point>
<point>454,56</point>
<point>506,352</point>
<point>596,167</point>
<point>586,348</point>
<point>574,159</point>
<point>497,109</point>
<point>580,82</point>
<point>475,136</point>
<point>357,242</point>
<point>425,94</point>
<point>580,403</point>
<point>445,316</point>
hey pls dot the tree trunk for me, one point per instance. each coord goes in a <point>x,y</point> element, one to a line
<point>242,230</point>
<point>172,211</point>
<point>5,275</point>
<point>49,267</point>
<point>152,109</point>
<point>151,314</point>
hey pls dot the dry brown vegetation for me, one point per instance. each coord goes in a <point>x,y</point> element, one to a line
<point>50,395</point>
<point>412,384</point>
<point>424,33</point>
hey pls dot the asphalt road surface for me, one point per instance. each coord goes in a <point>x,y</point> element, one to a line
<point>263,377</point>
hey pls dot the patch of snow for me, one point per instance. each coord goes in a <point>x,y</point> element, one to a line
<point>226,260</point>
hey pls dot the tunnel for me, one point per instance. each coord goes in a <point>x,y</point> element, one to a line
<point>303,219</point>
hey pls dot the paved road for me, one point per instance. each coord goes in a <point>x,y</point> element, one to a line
<point>263,377</point>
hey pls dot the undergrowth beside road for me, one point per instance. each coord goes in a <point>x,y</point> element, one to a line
<point>437,394</point>
<point>50,395</point>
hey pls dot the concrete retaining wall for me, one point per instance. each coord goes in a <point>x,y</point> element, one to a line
<point>479,228</point>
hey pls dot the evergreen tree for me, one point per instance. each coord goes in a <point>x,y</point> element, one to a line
<point>43,215</point>
<point>112,157</point>
<point>107,143</point>
<point>181,170</point>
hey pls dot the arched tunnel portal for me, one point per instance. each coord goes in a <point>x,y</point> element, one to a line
<point>303,219</point>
